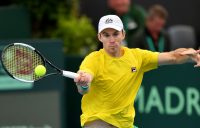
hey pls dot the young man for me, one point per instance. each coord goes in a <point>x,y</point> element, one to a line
<point>114,75</point>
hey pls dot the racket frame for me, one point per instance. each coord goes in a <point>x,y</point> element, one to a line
<point>44,60</point>
<point>68,74</point>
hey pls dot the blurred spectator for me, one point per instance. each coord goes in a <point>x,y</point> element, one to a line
<point>153,37</point>
<point>132,15</point>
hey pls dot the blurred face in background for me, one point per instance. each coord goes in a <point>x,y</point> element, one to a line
<point>155,23</point>
<point>120,6</point>
<point>156,19</point>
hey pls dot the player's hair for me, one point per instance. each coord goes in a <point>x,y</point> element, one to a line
<point>157,11</point>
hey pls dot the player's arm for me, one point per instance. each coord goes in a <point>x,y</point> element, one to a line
<point>179,56</point>
<point>84,79</point>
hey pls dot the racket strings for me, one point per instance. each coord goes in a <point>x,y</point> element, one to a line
<point>20,61</point>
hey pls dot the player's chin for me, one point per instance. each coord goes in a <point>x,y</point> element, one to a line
<point>112,48</point>
<point>112,51</point>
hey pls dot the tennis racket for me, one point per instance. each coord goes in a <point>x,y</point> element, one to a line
<point>19,60</point>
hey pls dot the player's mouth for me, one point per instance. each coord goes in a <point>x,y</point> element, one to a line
<point>112,46</point>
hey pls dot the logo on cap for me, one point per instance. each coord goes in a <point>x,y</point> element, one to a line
<point>108,21</point>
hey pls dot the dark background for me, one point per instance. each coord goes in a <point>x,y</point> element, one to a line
<point>180,11</point>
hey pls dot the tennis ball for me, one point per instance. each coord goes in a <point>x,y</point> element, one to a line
<point>40,70</point>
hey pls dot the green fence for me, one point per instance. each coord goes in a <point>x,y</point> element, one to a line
<point>15,23</point>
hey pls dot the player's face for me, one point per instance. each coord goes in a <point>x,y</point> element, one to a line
<point>111,40</point>
<point>120,6</point>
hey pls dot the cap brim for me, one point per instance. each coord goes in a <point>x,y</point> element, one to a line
<point>110,26</point>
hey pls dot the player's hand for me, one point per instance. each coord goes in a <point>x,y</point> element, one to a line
<point>83,78</point>
<point>194,55</point>
<point>83,82</point>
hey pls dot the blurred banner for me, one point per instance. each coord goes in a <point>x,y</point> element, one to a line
<point>169,98</point>
<point>38,105</point>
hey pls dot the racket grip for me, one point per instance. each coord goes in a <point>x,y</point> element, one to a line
<point>69,74</point>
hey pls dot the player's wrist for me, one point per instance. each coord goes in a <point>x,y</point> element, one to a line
<point>82,89</point>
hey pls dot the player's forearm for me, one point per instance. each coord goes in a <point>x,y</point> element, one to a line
<point>180,56</point>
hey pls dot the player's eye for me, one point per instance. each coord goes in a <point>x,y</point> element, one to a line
<point>115,34</point>
<point>106,35</point>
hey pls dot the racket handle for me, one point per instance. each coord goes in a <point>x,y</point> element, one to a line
<point>69,74</point>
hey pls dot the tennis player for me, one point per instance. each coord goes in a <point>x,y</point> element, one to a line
<point>114,75</point>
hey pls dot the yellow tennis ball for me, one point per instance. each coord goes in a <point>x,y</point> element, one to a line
<point>40,70</point>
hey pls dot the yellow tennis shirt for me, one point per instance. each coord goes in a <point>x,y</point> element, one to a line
<point>115,85</point>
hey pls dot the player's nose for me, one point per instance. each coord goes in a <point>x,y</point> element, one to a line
<point>112,40</point>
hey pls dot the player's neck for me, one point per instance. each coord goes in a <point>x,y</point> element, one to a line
<point>117,53</point>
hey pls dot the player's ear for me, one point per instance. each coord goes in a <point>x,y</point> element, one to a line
<point>123,34</point>
<point>99,37</point>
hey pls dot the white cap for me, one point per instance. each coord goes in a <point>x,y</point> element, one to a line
<point>110,21</point>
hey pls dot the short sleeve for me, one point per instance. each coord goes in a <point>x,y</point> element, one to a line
<point>149,59</point>
<point>90,64</point>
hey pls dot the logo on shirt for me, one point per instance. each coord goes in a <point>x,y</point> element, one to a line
<point>133,69</point>
<point>108,21</point>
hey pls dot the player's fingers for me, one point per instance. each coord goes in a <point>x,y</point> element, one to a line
<point>83,80</point>
<point>77,79</point>
<point>197,65</point>
<point>195,57</point>
<point>88,79</point>
<point>81,73</point>
<point>197,61</point>
<point>190,52</point>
